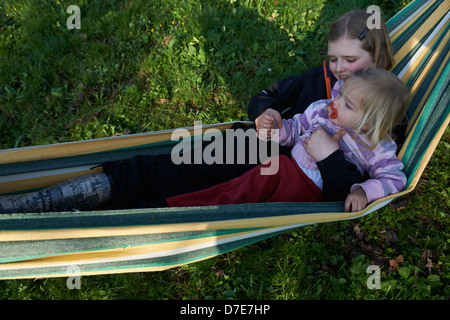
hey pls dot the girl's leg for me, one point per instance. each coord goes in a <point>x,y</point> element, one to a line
<point>289,184</point>
<point>81,193</point>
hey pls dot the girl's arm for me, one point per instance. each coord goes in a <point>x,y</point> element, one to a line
<point>293,128</point>
<point>338,176</point>
<point>385,171</point>
<point>289,132</point>
<point>337,173</point>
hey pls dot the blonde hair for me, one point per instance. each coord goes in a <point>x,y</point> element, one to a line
<point>353,25</point>
<point>384,99</point>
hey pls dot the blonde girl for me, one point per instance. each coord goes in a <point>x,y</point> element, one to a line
<point>366,107</point>
<point>351,46</point>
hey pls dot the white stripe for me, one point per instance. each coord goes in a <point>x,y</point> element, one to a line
<point>411,16</point>
<point>45,173</point>
<point>424,45</point>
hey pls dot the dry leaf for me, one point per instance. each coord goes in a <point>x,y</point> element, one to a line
<point>167,39</point>
<point>393,263</point>
<point>162,101</point>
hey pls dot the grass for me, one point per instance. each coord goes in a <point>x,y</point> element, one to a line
<point>137,66</point>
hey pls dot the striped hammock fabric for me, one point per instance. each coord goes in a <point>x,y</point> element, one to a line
<point>117,241</point>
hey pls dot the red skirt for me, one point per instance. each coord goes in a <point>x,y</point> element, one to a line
<point>289,184</point>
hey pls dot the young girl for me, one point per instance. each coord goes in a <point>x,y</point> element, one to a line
<point>149,180</point>
<point>367,106</point>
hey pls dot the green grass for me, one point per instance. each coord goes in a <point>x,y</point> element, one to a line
<point>137,66</point>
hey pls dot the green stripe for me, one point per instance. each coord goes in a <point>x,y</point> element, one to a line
<point>27,250</point>
<point>410,32</point>
<point>434,114</point>
<point>418,71</point>
<point>402,64</point>
<point>95,158</point>
<point>159,216</point>
<point>404,14</point>
<point>167,261</point>
<point>432,74</point>
<point>84,160</point>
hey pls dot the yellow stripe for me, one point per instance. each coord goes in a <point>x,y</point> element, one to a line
<point>109,271</point>
<point>430,63</point>
<point>100,256</point>
<point>41,182</point>
<point>92,146</point>
<point>275,221</point>
<point>417,37</point>
<point>400,31</point>
<point>412,122</point>
<point>427,155</point>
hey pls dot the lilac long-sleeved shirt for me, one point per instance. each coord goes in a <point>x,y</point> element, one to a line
<point>381,162</point>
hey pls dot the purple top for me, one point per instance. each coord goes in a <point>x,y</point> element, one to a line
<point>381,162</point>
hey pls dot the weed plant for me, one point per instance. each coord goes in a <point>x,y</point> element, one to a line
<point>137,66</point>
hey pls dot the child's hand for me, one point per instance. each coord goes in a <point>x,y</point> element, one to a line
<point>320,145</point>
<point>269,119</point>
<point>356,200</point>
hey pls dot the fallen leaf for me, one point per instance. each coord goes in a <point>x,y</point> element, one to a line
<point>167,39</point>
<point>162,101</point>
<point>393,264</point>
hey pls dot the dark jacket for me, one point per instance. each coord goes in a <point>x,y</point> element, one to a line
<point>292,95</point>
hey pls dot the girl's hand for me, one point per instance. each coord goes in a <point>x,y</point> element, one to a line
<point>269,119</point>
<point>320,145</point>
<point>356,200</point>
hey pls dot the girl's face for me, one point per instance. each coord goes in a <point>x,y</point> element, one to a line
<point>347,111</point>
<point>346,56</point>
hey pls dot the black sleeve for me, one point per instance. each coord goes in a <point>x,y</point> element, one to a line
<point>292,95</point>
<point>280,95</point>
<point>338,176</point>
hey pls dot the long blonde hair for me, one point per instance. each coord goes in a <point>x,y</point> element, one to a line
<point>383,104</point>
<point>353,25</point>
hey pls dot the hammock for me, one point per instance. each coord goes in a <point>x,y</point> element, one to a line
<point>57,244</point>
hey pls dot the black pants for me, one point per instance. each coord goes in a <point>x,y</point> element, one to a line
<point>146,181</point>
